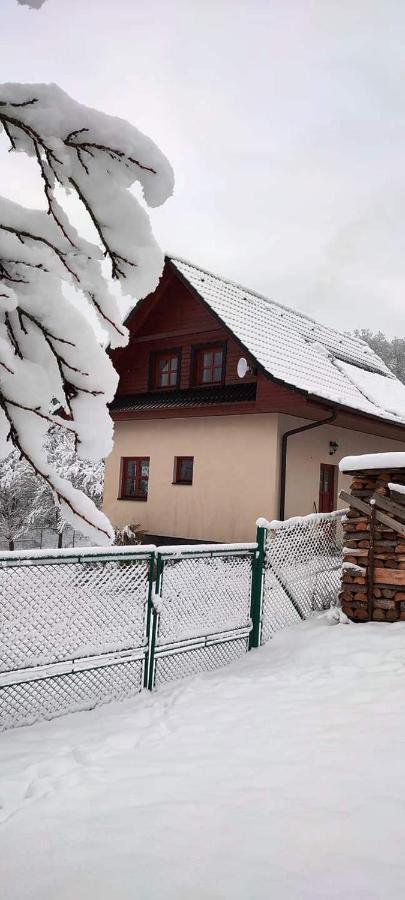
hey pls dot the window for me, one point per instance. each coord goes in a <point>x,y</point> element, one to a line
<point>135,478</point>
<point>209,365</point>
<point>166,369</point>
<point>183,469</point>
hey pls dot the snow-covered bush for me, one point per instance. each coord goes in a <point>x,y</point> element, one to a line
<point>52,357</point>
<point>128,534</point>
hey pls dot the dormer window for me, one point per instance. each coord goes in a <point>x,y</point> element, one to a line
<point>209,365</point>
<point>166,369</point>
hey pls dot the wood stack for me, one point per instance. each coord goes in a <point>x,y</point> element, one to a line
<point>373,575</point>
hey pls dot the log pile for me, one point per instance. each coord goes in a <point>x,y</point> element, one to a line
<point>373,574</point>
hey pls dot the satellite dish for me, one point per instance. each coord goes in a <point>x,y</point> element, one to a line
<point>243,367</point>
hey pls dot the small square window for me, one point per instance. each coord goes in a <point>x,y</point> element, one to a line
<point>209,365</point>
<point>166,369</point>
<point>134,478</point>
<point>183,469</point>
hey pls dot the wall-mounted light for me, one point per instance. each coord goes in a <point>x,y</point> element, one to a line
<point>333,446</point>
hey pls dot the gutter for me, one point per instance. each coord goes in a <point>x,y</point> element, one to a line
<point>284,442</point>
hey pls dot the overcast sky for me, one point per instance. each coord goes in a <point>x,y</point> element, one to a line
<point>284,121</point>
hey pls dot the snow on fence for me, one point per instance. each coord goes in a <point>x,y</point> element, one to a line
<point>303,560</point>
<point>78,628</point>
<point>73,629</point>
<point>202,601</point>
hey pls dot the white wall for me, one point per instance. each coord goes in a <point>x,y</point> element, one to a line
<point>306,451</point>
<point>236,472</point>
<point>235,478</point>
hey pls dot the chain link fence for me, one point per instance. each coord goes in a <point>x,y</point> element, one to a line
<point>73,630</point>
<point>202,609</point>
<point>47,538</point>
<point>78,628</point>
<point>302,563</point>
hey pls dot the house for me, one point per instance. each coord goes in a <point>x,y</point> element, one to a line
<point>231,406</point>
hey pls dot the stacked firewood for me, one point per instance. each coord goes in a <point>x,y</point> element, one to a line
<point>373,575</point>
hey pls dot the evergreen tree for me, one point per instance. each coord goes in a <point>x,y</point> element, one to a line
<point>392,352</point>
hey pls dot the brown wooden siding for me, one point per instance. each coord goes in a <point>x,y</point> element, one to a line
<point>276,397</point>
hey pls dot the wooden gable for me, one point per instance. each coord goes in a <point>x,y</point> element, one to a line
<point>172,317</point>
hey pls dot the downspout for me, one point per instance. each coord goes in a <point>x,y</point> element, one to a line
<point>284,440</point>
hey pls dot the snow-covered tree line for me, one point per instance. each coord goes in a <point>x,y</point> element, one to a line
<point>27,504</point>
<point>54,368</point>
<point>391,350</point>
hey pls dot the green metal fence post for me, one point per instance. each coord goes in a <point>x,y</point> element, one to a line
<point>154,622</point>
<point>257,588</point>
<point>149,618</point>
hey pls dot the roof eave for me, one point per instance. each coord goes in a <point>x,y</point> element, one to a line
<point>352,410</point>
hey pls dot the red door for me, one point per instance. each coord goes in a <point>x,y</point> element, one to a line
<point>327,488</point>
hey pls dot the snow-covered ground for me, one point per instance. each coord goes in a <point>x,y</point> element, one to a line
<point>282,776</point>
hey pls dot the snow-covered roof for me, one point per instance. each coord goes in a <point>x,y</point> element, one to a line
<point>300,352</point>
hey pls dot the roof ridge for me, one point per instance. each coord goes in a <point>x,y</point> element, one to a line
<point>260,296</point>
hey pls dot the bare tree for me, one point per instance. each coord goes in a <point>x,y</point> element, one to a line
<point>51,355</point>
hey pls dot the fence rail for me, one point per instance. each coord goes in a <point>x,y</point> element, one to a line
<point>80,627</point>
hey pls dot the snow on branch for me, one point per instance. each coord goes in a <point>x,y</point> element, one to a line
<point>50,356</point>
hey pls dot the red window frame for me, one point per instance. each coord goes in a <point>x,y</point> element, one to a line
<point>138,478</point>
<point>209,372</point>
<point>179,477</point>
<point>170,356</point>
